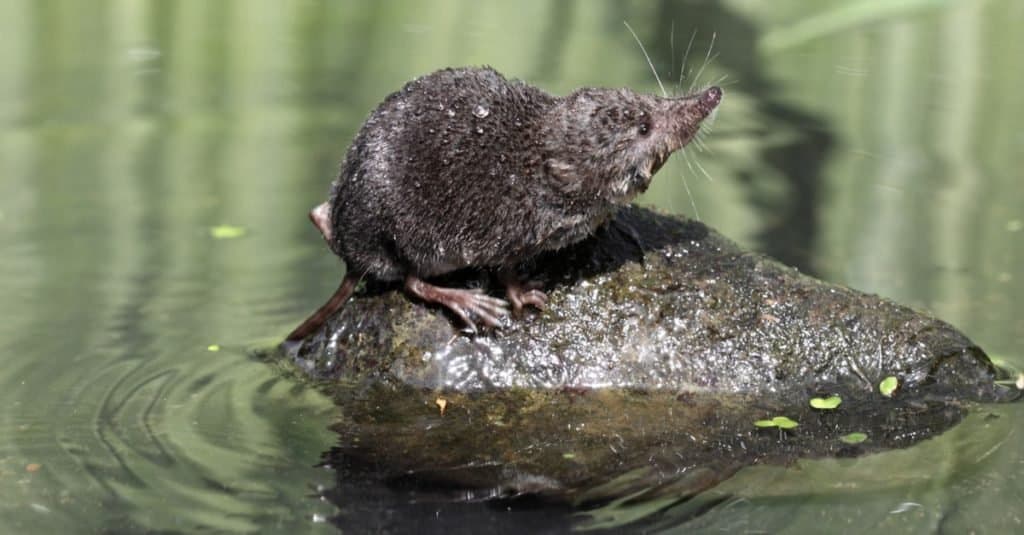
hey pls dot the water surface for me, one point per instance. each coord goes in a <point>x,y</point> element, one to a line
<point>875,144</point>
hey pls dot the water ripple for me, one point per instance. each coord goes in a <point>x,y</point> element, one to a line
<point>214,441</point>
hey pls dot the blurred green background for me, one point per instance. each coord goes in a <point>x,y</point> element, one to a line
<point>872,143</point>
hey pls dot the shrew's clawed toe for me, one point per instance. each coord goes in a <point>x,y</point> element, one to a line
<point>525,294</point>
<point>472,306</point>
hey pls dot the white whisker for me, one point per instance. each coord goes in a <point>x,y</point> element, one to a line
<point>686,55</point>
<point>649,62</point>
<point>672,46</point>
<point>698,142</point>
<point>707,58</point>
<point>686,185</point>
<point>702,170</point>
<point>722,81</point>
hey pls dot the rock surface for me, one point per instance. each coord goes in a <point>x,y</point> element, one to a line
<point>661,345</point>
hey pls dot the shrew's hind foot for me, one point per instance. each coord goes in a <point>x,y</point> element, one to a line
<point>471,306</point>
<point>521,293</point>
<point>525,293</point>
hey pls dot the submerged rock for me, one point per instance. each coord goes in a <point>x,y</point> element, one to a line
<point>661,345</point>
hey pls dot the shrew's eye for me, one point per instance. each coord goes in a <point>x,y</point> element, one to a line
<point>644,128</point>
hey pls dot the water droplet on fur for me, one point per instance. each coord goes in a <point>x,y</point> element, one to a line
<point>479,130</point>
<point>446,161</point>
<point>450,112</point>
<point>480,111</point>
<point>430,130</point>
<point>440,106</point>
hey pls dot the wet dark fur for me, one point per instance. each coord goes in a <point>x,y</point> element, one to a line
<point>463,168</point>
<point>433,182</point>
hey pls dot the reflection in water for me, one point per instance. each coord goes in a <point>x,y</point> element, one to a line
<point>884,154</point>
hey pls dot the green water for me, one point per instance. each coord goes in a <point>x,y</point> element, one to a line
<point>872,143</point>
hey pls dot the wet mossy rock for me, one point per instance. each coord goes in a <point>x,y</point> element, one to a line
<point>661,345</point>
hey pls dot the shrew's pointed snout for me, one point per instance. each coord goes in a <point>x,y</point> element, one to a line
<point>694,108</point>
<point>711,97</point>
<point>683,116</point>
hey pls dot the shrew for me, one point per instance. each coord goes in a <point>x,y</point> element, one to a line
<point>465,168</point>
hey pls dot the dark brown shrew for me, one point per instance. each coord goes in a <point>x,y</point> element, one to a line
<point>465,168</point>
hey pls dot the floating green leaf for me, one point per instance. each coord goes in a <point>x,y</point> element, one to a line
<point>854,438</point>
<point>784,423</point>
<point>213,347</point>
<point>828,403</point>
<point>888,386</point>
<point>569,456</point>
<point>779,421</point>
<point>227,232</point>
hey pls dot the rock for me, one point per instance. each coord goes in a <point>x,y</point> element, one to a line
<point>661,345</point>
